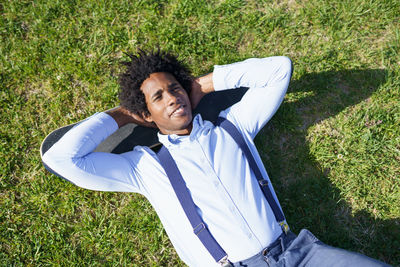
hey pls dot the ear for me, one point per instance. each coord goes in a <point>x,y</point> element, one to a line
<point>147,117</point>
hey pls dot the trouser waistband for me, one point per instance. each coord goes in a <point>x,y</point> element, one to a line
<point>280,244</point>
<point>291,250</point>
<point>275,248</point>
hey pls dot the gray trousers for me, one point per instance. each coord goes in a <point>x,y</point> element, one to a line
<point>306,250</point>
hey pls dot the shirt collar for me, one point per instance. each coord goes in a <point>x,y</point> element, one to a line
<point>199,127</point>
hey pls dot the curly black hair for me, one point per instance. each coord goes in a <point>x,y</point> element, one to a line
<point>139,69</point>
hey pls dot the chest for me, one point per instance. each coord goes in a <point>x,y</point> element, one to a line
<point>211,165</point>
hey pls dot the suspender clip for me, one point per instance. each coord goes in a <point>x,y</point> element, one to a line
<point>284,226</point>
<point>224,262</point>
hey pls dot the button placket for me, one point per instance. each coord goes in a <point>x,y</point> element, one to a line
<point>224,194</point>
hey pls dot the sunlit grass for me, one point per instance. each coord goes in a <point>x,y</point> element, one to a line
<point>332,150</point>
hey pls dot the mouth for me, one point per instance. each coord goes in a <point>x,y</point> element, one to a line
<point>178,111</point>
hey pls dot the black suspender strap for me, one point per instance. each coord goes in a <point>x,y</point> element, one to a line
<point>182,193</point>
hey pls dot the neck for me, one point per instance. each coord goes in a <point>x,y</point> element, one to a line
<point>185,131</point>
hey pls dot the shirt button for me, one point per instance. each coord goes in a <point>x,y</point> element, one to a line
<point>249,235</point>
<point>216,183</point>
<point>232,208</point>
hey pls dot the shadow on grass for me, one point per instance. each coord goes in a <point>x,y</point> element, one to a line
<point>308,197</point>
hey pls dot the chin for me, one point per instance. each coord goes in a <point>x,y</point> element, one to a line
<point>181,128</point>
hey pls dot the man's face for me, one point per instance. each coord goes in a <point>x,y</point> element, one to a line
<point>168,104</point>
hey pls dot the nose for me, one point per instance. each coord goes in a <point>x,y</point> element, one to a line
<point>171,98</point>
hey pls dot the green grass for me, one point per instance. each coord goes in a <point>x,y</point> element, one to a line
<point>332,150</point>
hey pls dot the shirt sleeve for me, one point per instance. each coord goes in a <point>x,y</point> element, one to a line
<point>267,79</point>
<point>73,159</point>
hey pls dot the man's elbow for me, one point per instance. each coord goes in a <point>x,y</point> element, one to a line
<point>286,66</point>
<point>56,162</point>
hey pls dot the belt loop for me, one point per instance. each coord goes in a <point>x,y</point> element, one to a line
<point>282,244</point>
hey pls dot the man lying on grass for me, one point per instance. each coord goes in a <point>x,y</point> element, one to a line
<point>207,183</point>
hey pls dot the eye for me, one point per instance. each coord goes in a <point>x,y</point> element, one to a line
<point>157,97</point>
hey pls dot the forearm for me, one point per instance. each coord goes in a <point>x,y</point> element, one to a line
<point>84,137</point>
<point>72,157</point>
<point>253,73</point>
<point>204,83</point>
<point>122,116</point>
<point>267,79</point>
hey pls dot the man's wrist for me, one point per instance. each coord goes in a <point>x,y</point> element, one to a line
<point>204,84</point>
<point>200,87</point>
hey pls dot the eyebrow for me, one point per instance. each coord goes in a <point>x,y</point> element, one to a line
<point>172,85</point>
<point>158,92</point>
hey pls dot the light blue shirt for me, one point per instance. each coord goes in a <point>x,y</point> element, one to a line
<point>215,170</point>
